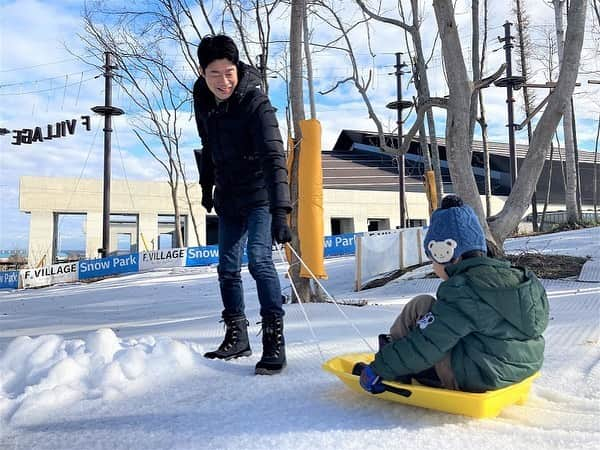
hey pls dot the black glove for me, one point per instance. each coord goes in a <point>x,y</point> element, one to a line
<point>279,227</point>
<point>207,199</point>
<point>384,339</point>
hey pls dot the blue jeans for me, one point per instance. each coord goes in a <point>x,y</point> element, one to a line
<point>255,231</point>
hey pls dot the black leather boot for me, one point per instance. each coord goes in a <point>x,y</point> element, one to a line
<point>236,342</point>
<point>273,357</point>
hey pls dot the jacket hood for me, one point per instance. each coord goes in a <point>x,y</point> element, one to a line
<point>248,80</point>
<point>512,292</point>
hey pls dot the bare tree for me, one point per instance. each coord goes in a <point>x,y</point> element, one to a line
<point>415,66</point>
<point>138,35</point>
<point>457,132</point>
<point>571,191</point>
<point>257,14</point>
<point>420,76</point>
<point>159,103</point>
<point>481,120</point>
<point>362,85</point>
<point>596,10</point>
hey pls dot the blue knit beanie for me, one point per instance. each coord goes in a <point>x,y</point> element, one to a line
<point>452,232</point>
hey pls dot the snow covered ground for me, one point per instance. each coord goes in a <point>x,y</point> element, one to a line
<point>118,364</point>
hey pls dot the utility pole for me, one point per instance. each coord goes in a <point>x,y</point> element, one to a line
<point>401,165</point>
<point>107,110</point>
<point>399,105</point>
<point>510,82</point>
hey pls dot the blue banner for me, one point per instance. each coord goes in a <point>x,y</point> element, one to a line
<point>94,268</point>
<point>205,256</point>
<point>202,256</point>
<point>9,279</point>
<point>341,244</point>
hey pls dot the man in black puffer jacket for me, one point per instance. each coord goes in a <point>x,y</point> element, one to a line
<point>242,157</point>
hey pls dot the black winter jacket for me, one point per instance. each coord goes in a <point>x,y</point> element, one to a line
<point>242,150</point>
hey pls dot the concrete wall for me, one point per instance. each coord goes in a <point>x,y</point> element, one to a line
<point>364,205</point>
<point>42,197</point>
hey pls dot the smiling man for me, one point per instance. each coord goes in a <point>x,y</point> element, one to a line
<point>242,157</point>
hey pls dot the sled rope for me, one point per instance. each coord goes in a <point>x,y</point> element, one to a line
<point>312,331</point>
<point>330,297</point>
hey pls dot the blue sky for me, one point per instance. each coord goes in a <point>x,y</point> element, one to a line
<point>41,83</point>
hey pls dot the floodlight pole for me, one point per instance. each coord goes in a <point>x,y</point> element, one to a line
<point>401,163</point>
<point>107,111</point>
<point>510,84</point>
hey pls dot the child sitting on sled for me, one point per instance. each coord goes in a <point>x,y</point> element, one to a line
<point>484,329</point>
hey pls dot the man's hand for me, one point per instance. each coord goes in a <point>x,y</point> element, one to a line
<point>279,227</point>
<point>370,381</point>
<point>207,199</point>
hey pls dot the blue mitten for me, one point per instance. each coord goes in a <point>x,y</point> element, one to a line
<point>370,381</point>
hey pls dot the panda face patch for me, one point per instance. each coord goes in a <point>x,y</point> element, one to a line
<point>442,251</point>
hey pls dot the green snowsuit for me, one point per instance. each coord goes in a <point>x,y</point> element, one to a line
<point>489,315</point>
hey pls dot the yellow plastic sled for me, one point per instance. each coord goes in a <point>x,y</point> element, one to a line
<point>484,405</point>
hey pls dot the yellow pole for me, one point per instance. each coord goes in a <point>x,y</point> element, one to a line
<point>310,201</point>
<point>431,191</point>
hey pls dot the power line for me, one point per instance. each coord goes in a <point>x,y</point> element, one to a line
<point>38,65</point>
<point>46,90</point>
<point>20,83</point>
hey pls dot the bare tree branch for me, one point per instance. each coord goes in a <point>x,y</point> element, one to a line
<point>421,110</point>
<point>384,19</point>
<point>485,82</point>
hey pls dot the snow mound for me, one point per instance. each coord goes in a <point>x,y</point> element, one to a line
<point>47,373</point>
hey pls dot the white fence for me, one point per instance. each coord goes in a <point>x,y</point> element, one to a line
<point>382,252</point>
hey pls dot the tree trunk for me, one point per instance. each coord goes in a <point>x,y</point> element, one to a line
<point>596,173</point>
<point>424,94</point>
<point>192,216</point>
<point>576,155</point>
<point>309,71</point>
<point>547,199</point>
<point>297,103</point>
<point>474,63</point>
<point>486,157</point>
<point>483,122</point>
<point>571,192</point>
<point>458,142</point>
<point>524,56</point>
<point>178,237</point>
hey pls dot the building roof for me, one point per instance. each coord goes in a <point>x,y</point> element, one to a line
<point>348,138</point>
<point>356,162</point>
<point>364,170</point>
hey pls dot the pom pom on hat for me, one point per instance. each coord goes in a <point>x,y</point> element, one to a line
<point>453,231</point>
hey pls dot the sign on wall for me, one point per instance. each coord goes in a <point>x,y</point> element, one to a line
<point>205,256</point>
<point>172,257</point>
<point>113,265</point>
<point>202,256</point>
<point>9,279</point>
<point>48,275</point>
<point>341,244</point>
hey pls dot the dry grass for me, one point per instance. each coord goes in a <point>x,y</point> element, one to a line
<point>550,267</point>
